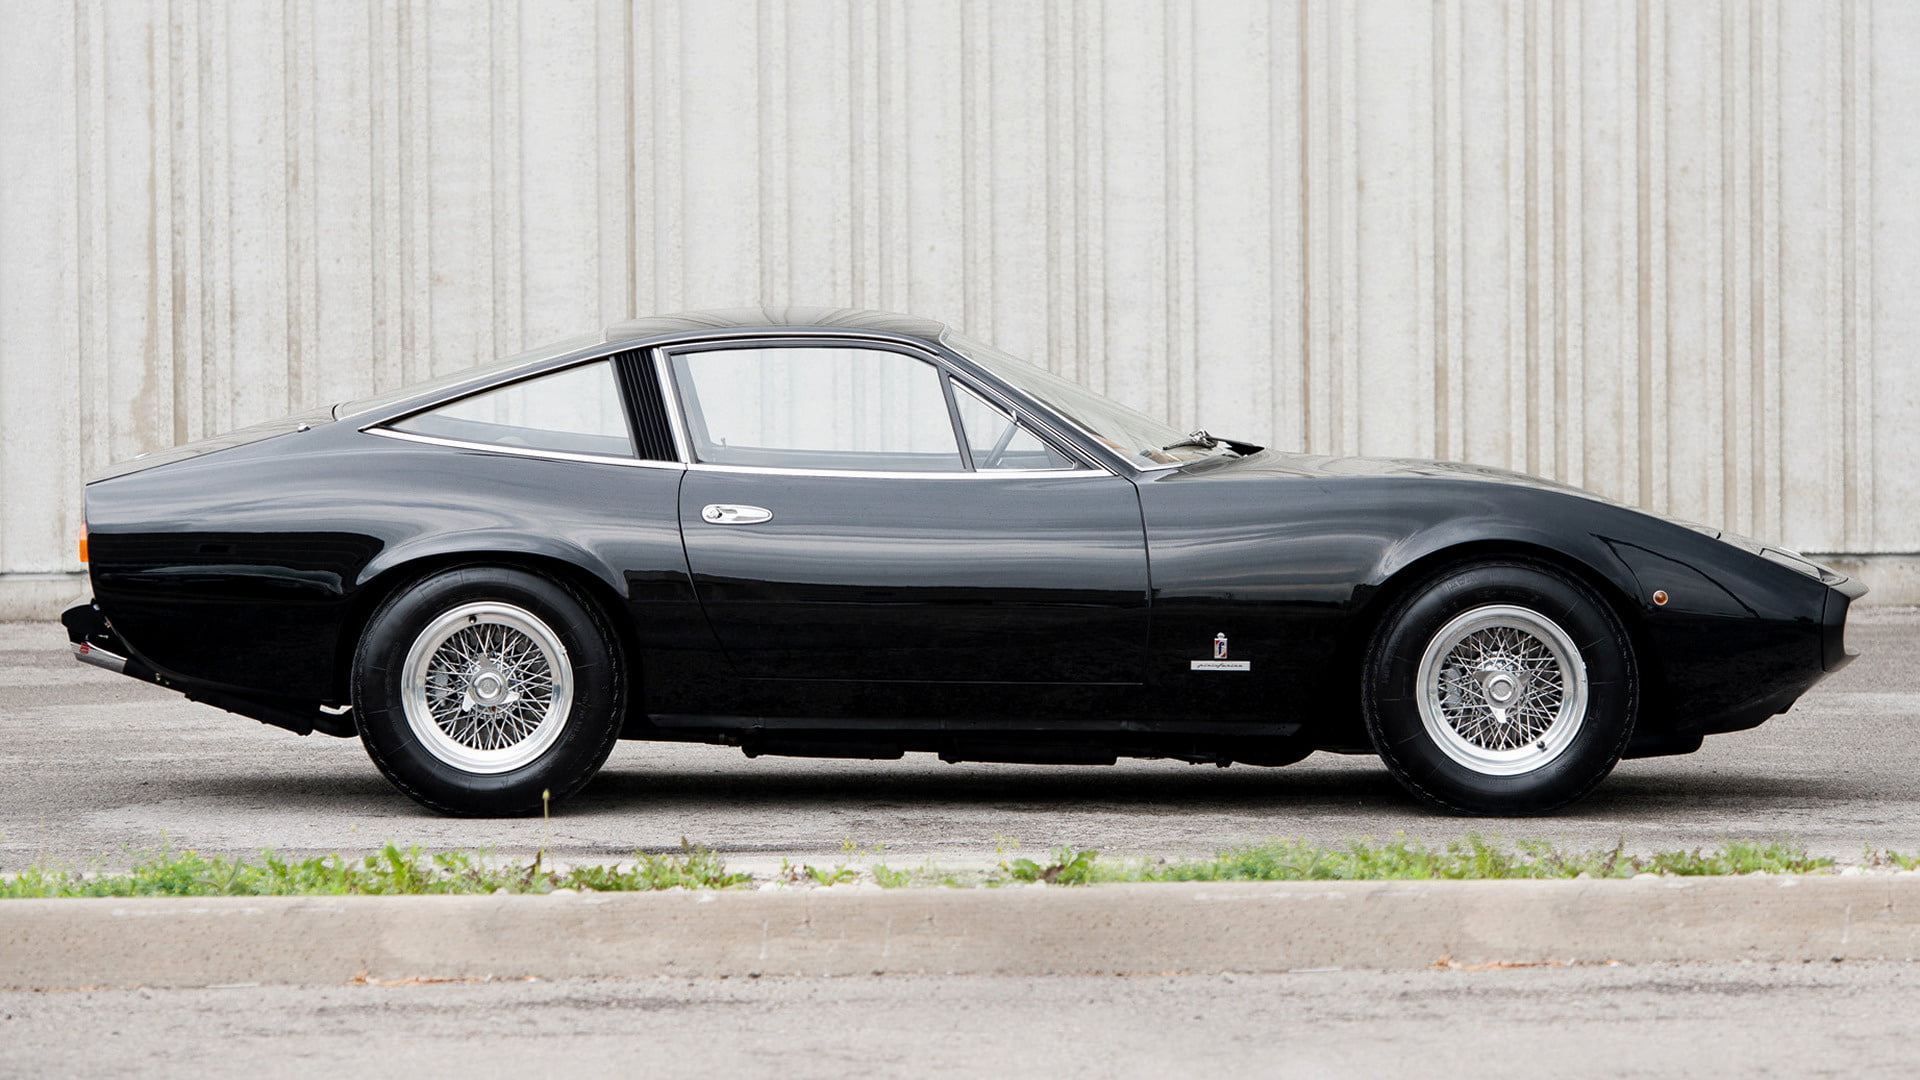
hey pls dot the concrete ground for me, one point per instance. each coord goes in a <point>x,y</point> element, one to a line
<point>100,766</point>
<point>1748,1020</point>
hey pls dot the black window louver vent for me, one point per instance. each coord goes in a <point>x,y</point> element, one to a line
<point>651,434</point>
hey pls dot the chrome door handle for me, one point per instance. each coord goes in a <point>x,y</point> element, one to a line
<point>732,514</point>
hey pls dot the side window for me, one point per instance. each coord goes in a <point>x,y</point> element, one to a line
<point>576,411</point>
<point>812,407</point>
<point>998,441</point>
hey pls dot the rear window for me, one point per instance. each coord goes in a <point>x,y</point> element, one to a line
<point>575,411</point>
<point>423,389</point>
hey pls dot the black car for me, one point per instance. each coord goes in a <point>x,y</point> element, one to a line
<point>850,534</point>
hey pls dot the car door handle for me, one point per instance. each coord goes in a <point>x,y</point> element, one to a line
<point>733,514</point>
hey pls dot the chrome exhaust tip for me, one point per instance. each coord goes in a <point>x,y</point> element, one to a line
<point>99,657</point>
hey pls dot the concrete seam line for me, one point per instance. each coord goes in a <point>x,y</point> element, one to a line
<point>1109,929</point>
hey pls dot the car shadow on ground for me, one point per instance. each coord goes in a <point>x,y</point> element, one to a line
<point>1360,787</point>
<point>1345,788</point>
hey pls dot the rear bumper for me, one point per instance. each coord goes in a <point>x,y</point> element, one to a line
<point>95,642</point>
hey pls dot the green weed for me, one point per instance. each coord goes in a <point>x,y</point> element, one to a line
<point>396,871</point>
<point>1472,858</point>
<point>1069,867</point>
<point>391,871</point>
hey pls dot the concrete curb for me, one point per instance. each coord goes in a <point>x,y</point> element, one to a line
<point>1112,929</point>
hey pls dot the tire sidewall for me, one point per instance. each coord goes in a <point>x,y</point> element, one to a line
<point>1392,691</point>
<point>591,725</point>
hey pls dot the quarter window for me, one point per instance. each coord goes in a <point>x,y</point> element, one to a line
<point>997,441</point>
<point>575,411</point>
<point>817,407</point>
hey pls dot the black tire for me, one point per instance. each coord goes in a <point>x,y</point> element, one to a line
<point>573,730</point>
<point>1449,746</point>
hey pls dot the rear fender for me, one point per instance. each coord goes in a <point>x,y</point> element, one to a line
<point>479,544</point>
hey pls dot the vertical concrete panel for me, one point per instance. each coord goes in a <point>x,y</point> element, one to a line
<point>1661,249</point>
<point>1449,240</point>
<point>614,161</point>
<point>414,196</point>
<point>1012,217</point>
<point>718,153</point>
<point>258,172</point>
<point>41,387</point>
<point>1812,509</point>
<point>1238,338</point>
<point>1485,371</point>
<point>816,208</point>
<point>340,162</point>
<point>559,171</point>
<point>459,230</point>
<point>214,224</point>
<point>929,138</point>
<point>1392,252</point>
<point>1895,244</point>
<point>1287,212</point>
<point>1601,394</point>
<point>507,99</point>
<point>1139,154</point>
<point>1694,290</point>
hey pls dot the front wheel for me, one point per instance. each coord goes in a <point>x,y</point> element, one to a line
<point>1501,688</point>
<point>483,691</point>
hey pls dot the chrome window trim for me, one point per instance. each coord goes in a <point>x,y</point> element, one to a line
<point>522,451</point>
<point>1040,409</point>
<point>1065,435</point>
<point>670,397</point>
<point>989,474</point>
<point>1036,420</point>
<point>552,365</point>
<point>962,384</point>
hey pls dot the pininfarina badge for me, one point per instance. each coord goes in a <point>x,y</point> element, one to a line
<point>1220,661</point>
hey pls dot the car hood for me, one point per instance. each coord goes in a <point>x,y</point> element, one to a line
<point>1320,466</point>
<point>1311,466</point>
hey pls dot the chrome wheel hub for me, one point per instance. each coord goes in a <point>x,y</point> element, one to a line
<point>1502,690</point>
<point>487,687</point>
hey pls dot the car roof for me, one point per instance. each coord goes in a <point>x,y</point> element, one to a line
<point>777,318</point>
<point>640,332</point>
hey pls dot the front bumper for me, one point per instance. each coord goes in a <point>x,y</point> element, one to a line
<point>1834,653</point>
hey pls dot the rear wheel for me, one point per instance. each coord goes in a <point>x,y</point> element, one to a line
<point>482,690</point>
<point>1501,688</point>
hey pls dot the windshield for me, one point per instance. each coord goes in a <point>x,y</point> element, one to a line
<point>421,389</point>
<point>1146,443</point>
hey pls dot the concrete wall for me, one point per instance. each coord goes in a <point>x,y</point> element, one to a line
<point>1663,250</point>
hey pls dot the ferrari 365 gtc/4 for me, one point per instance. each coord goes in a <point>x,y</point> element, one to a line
<point>850,534</point>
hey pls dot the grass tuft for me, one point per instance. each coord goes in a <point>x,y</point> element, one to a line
<point>1472,858</point>
<point>393,871</point>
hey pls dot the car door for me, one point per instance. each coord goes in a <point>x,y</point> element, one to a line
<point>840,523</point>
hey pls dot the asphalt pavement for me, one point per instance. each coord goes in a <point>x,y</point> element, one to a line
<point>101,767</point>
<point>1853,1020</point>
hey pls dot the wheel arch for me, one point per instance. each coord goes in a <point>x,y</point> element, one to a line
<point>367,598</point>
<point>1405,577</point>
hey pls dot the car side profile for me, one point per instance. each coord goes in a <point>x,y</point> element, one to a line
<point>851,534</point>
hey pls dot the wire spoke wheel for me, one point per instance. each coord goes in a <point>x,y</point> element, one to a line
<point>487,687</point>
<point>1502,690</point>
